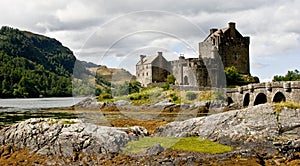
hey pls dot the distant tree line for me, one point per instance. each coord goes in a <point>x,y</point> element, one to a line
<point>23,78</point>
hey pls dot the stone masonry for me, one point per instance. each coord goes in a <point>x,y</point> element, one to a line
<point>222,48</point>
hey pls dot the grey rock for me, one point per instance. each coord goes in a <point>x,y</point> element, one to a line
<point>135,130</point>
<point>155,149</point>
<point>122,103</point>
<point>88,103</point>
<point>251,124</point>
<point>63,138</point>
<point>205,103</point>
<point>164,103</point>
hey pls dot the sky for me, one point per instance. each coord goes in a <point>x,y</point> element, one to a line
<point>115,32</point>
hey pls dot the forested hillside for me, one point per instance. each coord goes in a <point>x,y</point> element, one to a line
<point>32,65</point>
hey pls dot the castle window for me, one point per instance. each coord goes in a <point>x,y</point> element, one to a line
<point>147,73</point>
<point>235,57</point>
<point>143,74</point>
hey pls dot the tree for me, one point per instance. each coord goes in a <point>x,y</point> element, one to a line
<point>233,77</point>
<point>171,79</point>
<point>289,76</point>
<point>134,87</point>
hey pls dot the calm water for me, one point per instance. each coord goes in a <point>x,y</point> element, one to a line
<point>37,103</point>
<point>22,109</point>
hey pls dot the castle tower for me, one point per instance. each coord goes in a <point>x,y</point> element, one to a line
<point>232,47</point>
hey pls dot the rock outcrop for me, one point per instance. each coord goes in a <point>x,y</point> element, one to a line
<point>69,139</point>
<point>258,126</point>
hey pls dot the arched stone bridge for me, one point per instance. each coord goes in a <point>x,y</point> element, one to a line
<point>267,92</point>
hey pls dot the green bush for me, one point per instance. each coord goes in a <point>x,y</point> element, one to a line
<point>105,96</point>
<point>166,86</point>
<point>171,79</point>
<point>174,97</point>
<point>191,95</point>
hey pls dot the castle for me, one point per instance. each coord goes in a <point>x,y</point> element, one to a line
<point>220,49</point>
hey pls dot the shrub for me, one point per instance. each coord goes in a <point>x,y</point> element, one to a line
<point>166,86</point>
<point>191,95</point>
<point>171,79</point>
<point>104,96</point>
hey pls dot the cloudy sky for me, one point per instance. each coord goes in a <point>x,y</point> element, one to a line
<point>115,33</point>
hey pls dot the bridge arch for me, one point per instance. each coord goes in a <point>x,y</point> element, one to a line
<point>246,100</point>
<point>229,100</point>
<point>261,98</point>
<point>279,97</point>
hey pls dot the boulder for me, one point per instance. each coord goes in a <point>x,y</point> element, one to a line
<point>66,138</point>
<point>251,124</point>
<point>155,149</point>
<point>122,103</point>
<point>88,103</point>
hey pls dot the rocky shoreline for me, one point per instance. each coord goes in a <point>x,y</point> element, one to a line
<point>259,135</point>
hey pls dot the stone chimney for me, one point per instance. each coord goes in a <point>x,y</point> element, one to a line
<point>159,53</point>
<point>231,25</point>
<point>213,30</point>
<point>142,58</point>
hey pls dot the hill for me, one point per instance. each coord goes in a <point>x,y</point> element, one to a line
<point>32,65</point>
<point>114,75</point>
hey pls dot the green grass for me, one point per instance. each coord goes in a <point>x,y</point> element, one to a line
<point>192,144</point>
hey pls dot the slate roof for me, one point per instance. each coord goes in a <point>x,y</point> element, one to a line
<point>217,33</point>
<point>148,59</point>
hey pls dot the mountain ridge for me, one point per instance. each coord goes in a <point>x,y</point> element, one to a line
<point>34,65</point>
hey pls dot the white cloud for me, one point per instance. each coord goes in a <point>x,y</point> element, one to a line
<point>92,27</point>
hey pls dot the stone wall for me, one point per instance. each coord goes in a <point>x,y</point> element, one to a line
<point>235,53</point>
<point>144,74</point>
